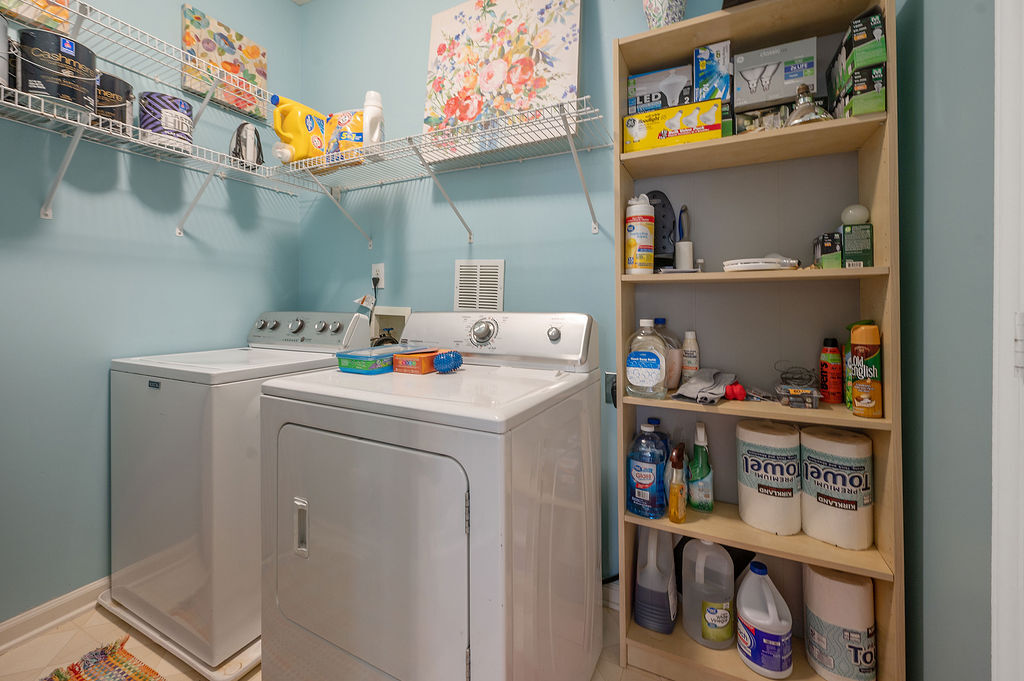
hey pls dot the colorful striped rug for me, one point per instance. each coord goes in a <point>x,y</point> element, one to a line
<point>110,663</point>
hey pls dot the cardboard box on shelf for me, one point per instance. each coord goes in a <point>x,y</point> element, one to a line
<point>675,125</point>
<point>713,79</point>
<point>659,89</point>
<point>858,246</point>
<point>828,251</point>
<point>772,75</point>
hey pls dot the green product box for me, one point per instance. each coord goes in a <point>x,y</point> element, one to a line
<point>828,251</point>
<point>858,246</point>
<point>863,45</point>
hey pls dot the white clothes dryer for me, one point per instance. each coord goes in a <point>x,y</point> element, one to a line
<point>438,527</point>
<point>185,490</point>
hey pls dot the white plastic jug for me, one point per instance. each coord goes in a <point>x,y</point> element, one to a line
<point>654,600</point>
<point>764,633</point>
<point>709,614</point>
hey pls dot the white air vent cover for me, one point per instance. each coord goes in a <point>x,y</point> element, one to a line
<point>479,285</point>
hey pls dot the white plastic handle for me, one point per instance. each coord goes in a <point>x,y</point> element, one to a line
<point>302,527</point>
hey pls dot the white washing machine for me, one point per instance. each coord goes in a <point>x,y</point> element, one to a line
<point>438,527</point>
<point>184,473</point>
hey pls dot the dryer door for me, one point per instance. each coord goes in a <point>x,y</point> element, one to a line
<point>372,551</point>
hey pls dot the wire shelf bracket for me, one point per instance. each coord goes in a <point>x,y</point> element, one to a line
<point>437,183</point>
<point>46,212</point>
<point>594,226</point>
<point>180,230</point>
<point>336,202</point>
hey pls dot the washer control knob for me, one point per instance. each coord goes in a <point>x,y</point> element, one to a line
<point>484,331</point>
<point>261,324</point>
<point>273,324</point>
<point>296,326</point>
<point>554,334</point>
<point>320,326</point>
<point>335,327</point>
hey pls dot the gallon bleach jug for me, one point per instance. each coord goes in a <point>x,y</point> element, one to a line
<point>654,600</point>
<point>764,634</point>
<point>708,609</point>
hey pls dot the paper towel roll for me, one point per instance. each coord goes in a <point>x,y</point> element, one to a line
<point>768,472</point>
<point>838,486</point>
<point>839,624</point>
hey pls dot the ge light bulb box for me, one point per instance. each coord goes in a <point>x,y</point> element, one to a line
<point>772,75</point>
<point>675,125</point>
<point>712,79</point>
<point>659,89</point>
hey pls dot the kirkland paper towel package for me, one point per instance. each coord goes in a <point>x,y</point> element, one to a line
<point>839,624</point>
<point>838,486</point>
<point>768,471</point>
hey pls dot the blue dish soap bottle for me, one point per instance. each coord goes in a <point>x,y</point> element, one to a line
<point>645,479</point>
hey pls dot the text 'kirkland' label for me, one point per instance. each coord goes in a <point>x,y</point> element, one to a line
<point>772,471</point>
<point>645,369</point>
<point>773,652</point>
<point>718,623</point>
<point>837,481</point>
<point>847,653</point>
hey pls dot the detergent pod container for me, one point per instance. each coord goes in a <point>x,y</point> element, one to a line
<point>302,130</point>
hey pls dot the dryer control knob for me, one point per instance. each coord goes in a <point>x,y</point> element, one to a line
<point>296,326</point>
<point>484,331</point>
<point>320,326</point>
<point>335,327</point>
<point>554,334</point>
<point>273,324</point>
<point>261,324</point>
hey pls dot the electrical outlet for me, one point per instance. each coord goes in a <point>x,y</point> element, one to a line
<point>377,270</point>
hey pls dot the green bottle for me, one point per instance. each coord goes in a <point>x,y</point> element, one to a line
<point>701,488</point>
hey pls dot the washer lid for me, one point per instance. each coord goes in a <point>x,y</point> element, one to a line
<point>488,398</point>
<point>214,367</point>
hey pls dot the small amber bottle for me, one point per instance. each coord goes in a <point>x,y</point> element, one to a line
<point>677,485</point>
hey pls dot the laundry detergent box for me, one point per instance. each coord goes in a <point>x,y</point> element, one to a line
<point>416,362</point>
<point>773,74</point>
<point>675,125</point>
<point>376,360</point>
<point>659,89</point>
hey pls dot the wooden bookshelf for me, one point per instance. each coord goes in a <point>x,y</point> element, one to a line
<point>873,139</point>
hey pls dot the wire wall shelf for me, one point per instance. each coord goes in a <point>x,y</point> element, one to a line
<point>46,114</point>
<point>119,43</point>
<point>537,133</point>
<point>568,127</point>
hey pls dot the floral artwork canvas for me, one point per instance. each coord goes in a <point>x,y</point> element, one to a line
<point>491,58</point>
<point>244,61</point>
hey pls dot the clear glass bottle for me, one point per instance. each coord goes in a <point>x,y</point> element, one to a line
<point>806,111</point>
<point>673,354</point>
<point>645,363</point>
<point>645,478</point>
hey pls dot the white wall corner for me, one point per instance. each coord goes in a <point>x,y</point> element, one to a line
<point>1007,381</point>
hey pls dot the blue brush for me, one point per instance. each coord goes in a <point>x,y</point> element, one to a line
<point>447,362</point>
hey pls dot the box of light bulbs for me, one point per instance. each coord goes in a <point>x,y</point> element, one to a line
<point>659,89</point>
<point>772,75</point>
<point>675,125</point>
<point>865,94</point>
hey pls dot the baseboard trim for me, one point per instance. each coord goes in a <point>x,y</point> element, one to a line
<point>611,595</point>
<point>31,622</point>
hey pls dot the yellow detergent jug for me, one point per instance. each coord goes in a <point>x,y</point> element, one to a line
<point>302,130</point>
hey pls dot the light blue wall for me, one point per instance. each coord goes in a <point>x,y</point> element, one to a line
<point>946,160</point>
<point>107,278</point>
<point>532,215</point>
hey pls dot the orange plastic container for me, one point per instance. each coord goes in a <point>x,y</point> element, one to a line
<point>416,362</point>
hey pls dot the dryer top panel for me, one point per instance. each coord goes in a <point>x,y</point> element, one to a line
<point>486,398</point>
<point>214,367</point>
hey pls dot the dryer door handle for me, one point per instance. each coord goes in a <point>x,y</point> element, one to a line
<point>301,527</point>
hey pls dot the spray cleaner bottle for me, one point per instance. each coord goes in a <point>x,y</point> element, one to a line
<point>701,484</point>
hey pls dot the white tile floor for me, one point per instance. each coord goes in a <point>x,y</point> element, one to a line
<point>67,642</point>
